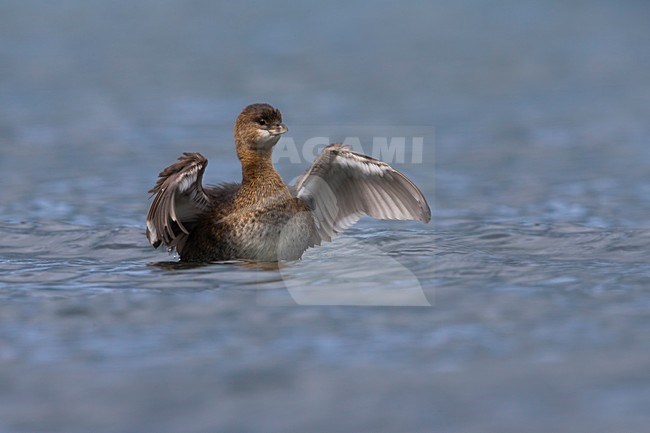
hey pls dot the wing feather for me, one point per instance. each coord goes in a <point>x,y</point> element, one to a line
<point>179,199</point>
<point>342,185</point>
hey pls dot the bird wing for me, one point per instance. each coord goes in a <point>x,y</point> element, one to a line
<point>342,185</point>
<point>179,199</point>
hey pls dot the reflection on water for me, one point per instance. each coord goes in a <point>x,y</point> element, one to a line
<point>365,275</point>
<point>244,264</point>
<point>535,263</point>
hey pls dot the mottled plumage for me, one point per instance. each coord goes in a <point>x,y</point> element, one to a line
<point>264,219</point>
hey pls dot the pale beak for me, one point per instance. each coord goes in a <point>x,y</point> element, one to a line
<point>278,129</point>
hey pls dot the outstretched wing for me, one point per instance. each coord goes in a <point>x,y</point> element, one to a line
<point>342,185</point>
<point>179,199</point>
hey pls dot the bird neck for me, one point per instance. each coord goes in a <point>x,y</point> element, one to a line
<point>258,173</point>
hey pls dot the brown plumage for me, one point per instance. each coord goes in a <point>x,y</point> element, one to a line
<point>262,218</point>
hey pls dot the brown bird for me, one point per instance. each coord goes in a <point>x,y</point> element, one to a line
<point>262,218</point>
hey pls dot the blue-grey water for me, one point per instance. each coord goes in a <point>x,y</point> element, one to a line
<point>524,306</point>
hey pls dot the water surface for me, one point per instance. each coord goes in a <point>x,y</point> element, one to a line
<point>523,306</point>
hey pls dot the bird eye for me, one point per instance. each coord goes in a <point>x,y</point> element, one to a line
<point>262,122</point>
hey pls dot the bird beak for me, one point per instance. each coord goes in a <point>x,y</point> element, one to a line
<point>278,129</point>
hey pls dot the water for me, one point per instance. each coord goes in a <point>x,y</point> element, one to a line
<point>534,266</point>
